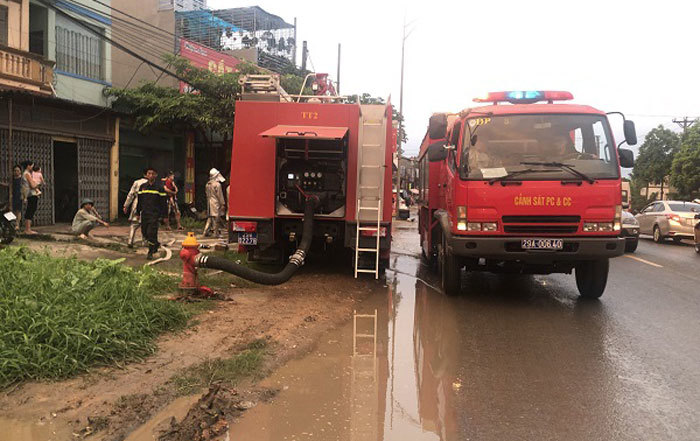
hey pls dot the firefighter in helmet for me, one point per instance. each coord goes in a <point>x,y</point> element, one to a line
<point>215,203</point>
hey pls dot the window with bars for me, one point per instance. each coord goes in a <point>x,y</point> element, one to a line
<point>79,53</point>
<point>4,25</point>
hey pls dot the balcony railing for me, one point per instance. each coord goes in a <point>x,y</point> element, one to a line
<point>25,70</point>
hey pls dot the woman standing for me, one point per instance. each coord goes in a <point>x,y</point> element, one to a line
<point>17,194</point>
<point>30,195</point>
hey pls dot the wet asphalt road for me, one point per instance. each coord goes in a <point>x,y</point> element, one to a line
<point>537,363</point>
<point>512,358</point>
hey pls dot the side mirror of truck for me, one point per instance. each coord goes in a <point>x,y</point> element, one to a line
<point>437,151</point>
<point>630,132</point>
<point>626,158</point>
<point>437,126</point>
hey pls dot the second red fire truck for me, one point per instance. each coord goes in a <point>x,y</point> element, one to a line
<point>524,184</point>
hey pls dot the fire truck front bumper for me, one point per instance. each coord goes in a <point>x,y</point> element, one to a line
<point>511,248</point>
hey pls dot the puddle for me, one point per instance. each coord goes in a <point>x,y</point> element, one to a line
<point>16,430</point>
<point>151,430</point>
<point>398,388</point>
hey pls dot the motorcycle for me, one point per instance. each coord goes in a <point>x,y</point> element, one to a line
<point>8,220</point>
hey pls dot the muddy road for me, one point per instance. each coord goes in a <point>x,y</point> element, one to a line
<point>513,358</point>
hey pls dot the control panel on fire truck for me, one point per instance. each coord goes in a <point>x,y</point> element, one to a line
<point>307,167</point>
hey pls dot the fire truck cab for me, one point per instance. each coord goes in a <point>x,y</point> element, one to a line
<point>523,185</point>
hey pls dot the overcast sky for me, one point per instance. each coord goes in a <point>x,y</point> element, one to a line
<point>640,58</point>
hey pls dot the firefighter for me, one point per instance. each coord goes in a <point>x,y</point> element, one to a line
<point>215,203</point>
<point>152,207</point>
<point>130,205</point>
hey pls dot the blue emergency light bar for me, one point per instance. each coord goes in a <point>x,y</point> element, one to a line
<point>525,96</point>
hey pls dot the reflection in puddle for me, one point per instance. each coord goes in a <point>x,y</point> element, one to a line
<point>396,386</point>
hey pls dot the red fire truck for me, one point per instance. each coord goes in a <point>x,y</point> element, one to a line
<point>286,152</point>
<point>523,185</point>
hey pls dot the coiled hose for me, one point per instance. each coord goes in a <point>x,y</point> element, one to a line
<point>295,261</point>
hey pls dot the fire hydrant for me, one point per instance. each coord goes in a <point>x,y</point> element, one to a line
<point>190,249</point>
<point>190,280</point>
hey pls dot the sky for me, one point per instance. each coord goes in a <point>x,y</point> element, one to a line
<point>636,57</point>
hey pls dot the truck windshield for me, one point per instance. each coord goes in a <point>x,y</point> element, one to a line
<point>523,145</point>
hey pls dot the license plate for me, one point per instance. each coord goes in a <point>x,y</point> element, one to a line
<point>10,216</point>
<point>542,244</point>
<point>247,238</point>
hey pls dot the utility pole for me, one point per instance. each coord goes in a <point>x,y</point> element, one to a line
<point>684,123</point>
<point>304,54</point>
<point>337,75</point>
<point>399,143</point>
<point>294,50</point>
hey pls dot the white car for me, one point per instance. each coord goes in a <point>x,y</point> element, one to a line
<point>669,219</point>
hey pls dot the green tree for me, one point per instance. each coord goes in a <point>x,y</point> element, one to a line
<point>685,169</point>
<point>210,107</point>
<point>655,157</point>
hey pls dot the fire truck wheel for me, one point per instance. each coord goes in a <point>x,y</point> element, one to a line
<point>591,278</point>
<point>450,270</point>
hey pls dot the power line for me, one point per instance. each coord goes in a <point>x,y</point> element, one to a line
<point>164,38</point>
<point>135,18</point>
<point>684,123</point>
<point>111,41</point>
<point>137,35</point>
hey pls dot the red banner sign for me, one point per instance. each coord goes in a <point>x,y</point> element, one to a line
<point>206,58</point>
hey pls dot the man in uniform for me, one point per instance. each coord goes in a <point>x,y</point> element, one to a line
<point>152,207</point>
<point>130,205</point>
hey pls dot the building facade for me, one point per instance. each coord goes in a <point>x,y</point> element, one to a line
<point>53,72</point>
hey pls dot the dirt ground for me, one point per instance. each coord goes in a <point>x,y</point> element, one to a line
<point>109,403</point>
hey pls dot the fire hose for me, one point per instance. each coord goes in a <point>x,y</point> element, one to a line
<point>295,261</point>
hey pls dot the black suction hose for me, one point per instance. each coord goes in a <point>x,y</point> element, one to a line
<point>295,261</point>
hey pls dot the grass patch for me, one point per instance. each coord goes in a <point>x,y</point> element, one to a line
<point>112,246</point>
<point>228,371</point>
<point>192,224</point>
<point>41,237</point>
<point>196,308</point>
<point>59,316</point>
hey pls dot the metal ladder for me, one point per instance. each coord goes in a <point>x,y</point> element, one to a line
<point>371,165</point>
<point>364,384</point>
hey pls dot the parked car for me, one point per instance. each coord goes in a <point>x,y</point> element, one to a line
<point>669,219</point>
<point>630,231</point>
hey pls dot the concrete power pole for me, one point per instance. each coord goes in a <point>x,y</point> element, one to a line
<point>337,77</point>
<point>304,54</point>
